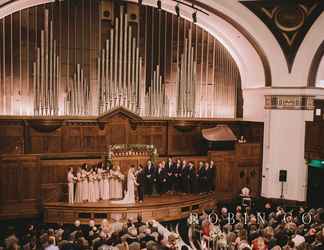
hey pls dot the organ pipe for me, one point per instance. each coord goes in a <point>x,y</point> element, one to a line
<point>4,65</point>
<point>45,83</point>
<point>122,55</point>
<point>201,80</point>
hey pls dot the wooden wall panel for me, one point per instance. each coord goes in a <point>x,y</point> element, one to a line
<point>225,163</point>
<point>185,142</point>
<point>169,137</point>
<point>314,143</point>
<point>20,185</point>
<point>11,138</point>
<point>241,166</point>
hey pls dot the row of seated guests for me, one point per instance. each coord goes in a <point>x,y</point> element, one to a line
<point>131,235</point>
<point>279,228</point>
<point>178,176</point>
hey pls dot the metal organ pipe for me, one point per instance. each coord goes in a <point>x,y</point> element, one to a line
<point>120,63</point>
<point>46,72</point>
<point>121,72</point>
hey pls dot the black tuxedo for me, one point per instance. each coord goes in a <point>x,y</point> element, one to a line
<point>202,179</point>
<point>140,178</point>
<point>192,183</point>
<point>161,176</point>
<point>150,178</point>
<point>211,178</point>
<point>170,170</point>
<point>185,179</point>
<point>178,177</point>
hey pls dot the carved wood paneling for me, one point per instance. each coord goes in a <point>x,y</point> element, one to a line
<point>11,139</point>
<point>19,185</point>
<point>241,166</point>
<point>184,142</point>
<point>314,144</point>
<point>86,135</point>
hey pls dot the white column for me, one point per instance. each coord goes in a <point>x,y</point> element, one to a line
<point>284,144</point>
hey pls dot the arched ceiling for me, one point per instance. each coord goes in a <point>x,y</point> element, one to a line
<point>258,54</point>
<point>253,65</point>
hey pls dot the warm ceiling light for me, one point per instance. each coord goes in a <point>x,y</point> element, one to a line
<point>177,10</point>
<point>194,17</point>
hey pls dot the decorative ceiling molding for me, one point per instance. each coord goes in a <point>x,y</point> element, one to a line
<point>315,65</point>
<point>120,111</point>
<point>245,33</point>
<point>289,102</point>
<point>289,21</point>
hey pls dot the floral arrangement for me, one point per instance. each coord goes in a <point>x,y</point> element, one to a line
<point>215,233</point>
<point>193,220</point>
<point>121,150</point>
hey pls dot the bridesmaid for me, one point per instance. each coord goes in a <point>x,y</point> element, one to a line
<point>85,183</point>
<point>78,189</point>
<point>96,184</point>
<point>92,195</point>
<point>106,194</point>
<point>100,181</point>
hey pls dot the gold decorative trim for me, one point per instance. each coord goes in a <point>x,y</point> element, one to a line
<point>289,102</point>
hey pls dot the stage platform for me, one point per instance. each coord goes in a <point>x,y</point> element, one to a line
<point>161,208</point>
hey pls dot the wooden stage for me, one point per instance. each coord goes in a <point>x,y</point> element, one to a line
<point>161,208</point>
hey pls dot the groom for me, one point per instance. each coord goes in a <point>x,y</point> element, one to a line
<point>140,179</point>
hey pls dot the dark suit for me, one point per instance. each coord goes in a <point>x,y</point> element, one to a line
<point>178,175</point>
<point>211,178</point>
<point>185,179</point>
<point>150,178</point>
<point>202,179</point>
<point>170,169</point>
<point>192,183</point>
<point>161,176</point>
<point>140,178</point>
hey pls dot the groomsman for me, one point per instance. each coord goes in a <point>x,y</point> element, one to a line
<point>170,170</point>
<point>140,179</point>
<point>184,177</point>
<point>192,183</point>
<point>150,177</point>
<point>161,177</point>
<point>202,178</point>
<point>212,176</point>
<point>178,176</point>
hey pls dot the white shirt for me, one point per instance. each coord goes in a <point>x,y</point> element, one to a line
<point>70,177</point>
<point>52,247</point>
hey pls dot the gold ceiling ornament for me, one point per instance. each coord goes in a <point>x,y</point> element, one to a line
<point>289,21</point>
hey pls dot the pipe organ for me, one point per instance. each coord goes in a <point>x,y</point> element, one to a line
<point>119,69</point>
<point>146,60</point>
<point>77,99</point>
<point>186,80</point>
<point>46,73</point>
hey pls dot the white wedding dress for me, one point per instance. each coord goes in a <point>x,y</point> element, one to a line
<point>129,197</point>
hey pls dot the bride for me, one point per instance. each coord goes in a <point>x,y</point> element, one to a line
<point>131,182</point>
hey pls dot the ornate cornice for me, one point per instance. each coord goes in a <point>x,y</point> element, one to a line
<point>289,102</point>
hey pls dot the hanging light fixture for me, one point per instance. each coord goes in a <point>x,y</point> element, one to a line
<point>159,5</point>
<point>194,17</point>
<point>177,10</point>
